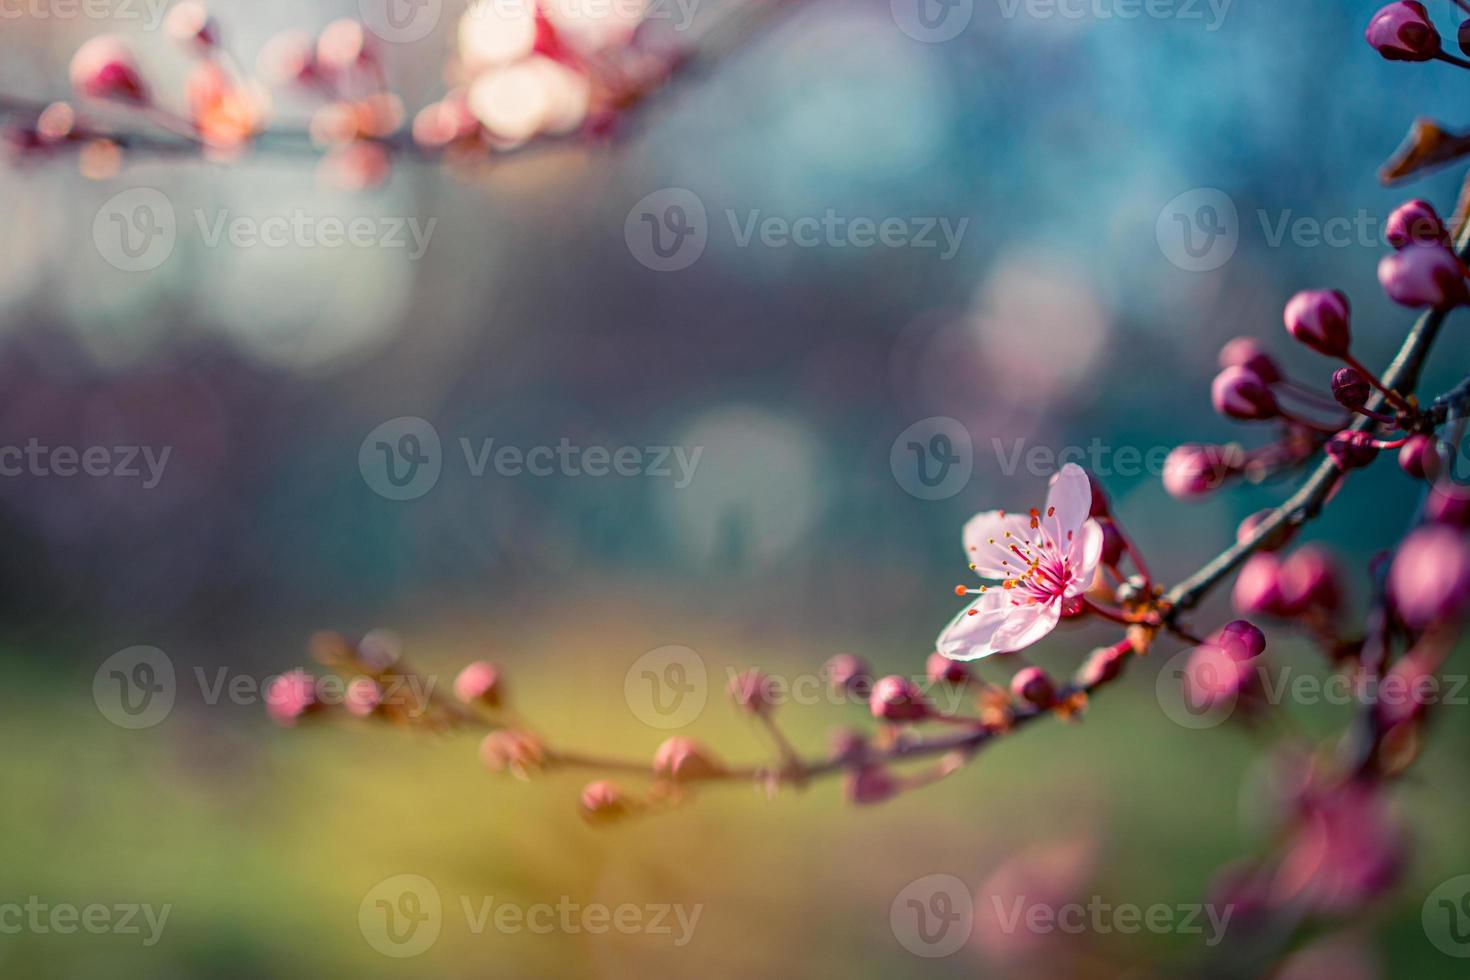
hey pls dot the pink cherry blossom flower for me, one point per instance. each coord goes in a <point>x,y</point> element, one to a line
<point>1037,560</point>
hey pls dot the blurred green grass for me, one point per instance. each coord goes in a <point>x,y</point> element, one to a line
<point>265,841</point>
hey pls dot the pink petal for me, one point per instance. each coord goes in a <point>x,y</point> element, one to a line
<point>1084,552</point>
<point>990,525</point>
<point>1000,625</point>
<point>1069,501</point>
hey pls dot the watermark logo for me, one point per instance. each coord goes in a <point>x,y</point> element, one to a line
<point>401,916</point>
<point>667,688</point>
<point>933,458</point>
<point>932,21</point>
<point>40,917</point>
<point>135,230</point>
<point>667,230</point>
<point>1198,696</point>
<point>1199,230</point>
<point>1446,917</point>
<point>933,916</point>
<point>401,21</point>
<point>135,688</point>
<point>402,458</point>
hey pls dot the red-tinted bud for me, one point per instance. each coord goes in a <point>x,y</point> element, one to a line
<point>480,683</point>
<point>1352,450</point>
<point>1277,539</point>
<point>847,674</point>
<point>520,753</point>
<point>1248,353</point>
<point>871,784</point>
<point>1241,639</point>
<point>1415,221</point>
<point>1350,389</point>
<point>363,697</point>
<point>1430,576</point>
<point>189,22</point>
<point>1424,275</point>
<point>1309,580</point>
<point>897,698</point>
<point>753,692</point>
<point>683,759</point>
<point>1214,678</point>
<point>1463,35</point>
<point>1402,31</point>
<point>603,802</point>
<point>1419,457</point>
<point>1193,470</point>
<point>849,746</point>
<point>1102,665</point>
<point>1258,586</point>
<point>942,670</point>
<point>1032,685</point>
<point>1448,505</point>
<point>1320,318</point>
<point>1113,544</point>
<point>1239,393</point>
<point>291,697</point>
<point>104,68</point>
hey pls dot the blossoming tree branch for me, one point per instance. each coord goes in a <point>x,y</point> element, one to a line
<point>519,79</point>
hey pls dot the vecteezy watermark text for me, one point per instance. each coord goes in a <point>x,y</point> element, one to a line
<point>40,917</point>
<point>148,13</point>
<point>1100,917</point>
<point>403,458</point>
<point>403,915</point>
<point>124,462</point>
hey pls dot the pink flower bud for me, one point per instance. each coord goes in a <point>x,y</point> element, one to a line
<point>1350,389</point>
<point>1195,469</point>
<point>363,697</point>
<point>1274,541</point>
<point>1405,691</point>
<point>603,802</point>
<point>1112,548</point>
<point>1102,665</point>
<point>189,22</point>
<point>480,683</point>
<point>1402,31</point>
<point>1099,506</point>
<point>1032,685</point>
<point>1424,275</point>
<point>847,674</point>
<point>684,760</point>
<point>1415,221</point>
<point>753,692</point>
<point>942,670</point>
<point>104,68</point>
<point>342,45</point>
<point>849,746</point>
<point>291,697</point>
<point>1241,639</point>
<point>1463,36</point>
<point>871,784</point>
<point>1320,318</point>
<point>1247,352</point>
<point>1430,576</point>
<point>1351,450</point>
<point>1214,678</point>
<point>520,753</point>
<point>1239,393</point>
<point>1309,580</point>
<point>1258,586</point>
<point>1419,457</point>
<point>898,699</point>
<point>1449,506</point>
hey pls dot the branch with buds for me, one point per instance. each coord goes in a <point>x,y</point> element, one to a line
<point>519,79</point>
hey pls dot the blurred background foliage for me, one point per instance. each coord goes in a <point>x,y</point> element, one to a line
<point>1058,322</point>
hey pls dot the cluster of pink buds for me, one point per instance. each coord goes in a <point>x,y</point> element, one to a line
<point>1402,31</point>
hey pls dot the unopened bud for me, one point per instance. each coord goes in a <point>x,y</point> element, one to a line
<point>104,68</point>
<point>1415,221</point>
<point>506,749</point>
<point>1248,353</point>
<point>684,760</point>
<point>1430,576</point>
<point>291,697</point>
<point>1424,275</point>
<point>1419,457</point>
<point>871,784</point>
<point>1032,685</point>
<point>1320,318</point>
<point>480,683</point>
<point>1350,389</point>
<point>847,674</point>
<point>1402,31</point>
<point>603,802</point>
<point>363,697</point>
<point>753,692</point>
<point>1351,449</point>
<point>1241,639</point>
<point>898,699</point>
<point>942,670</point>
